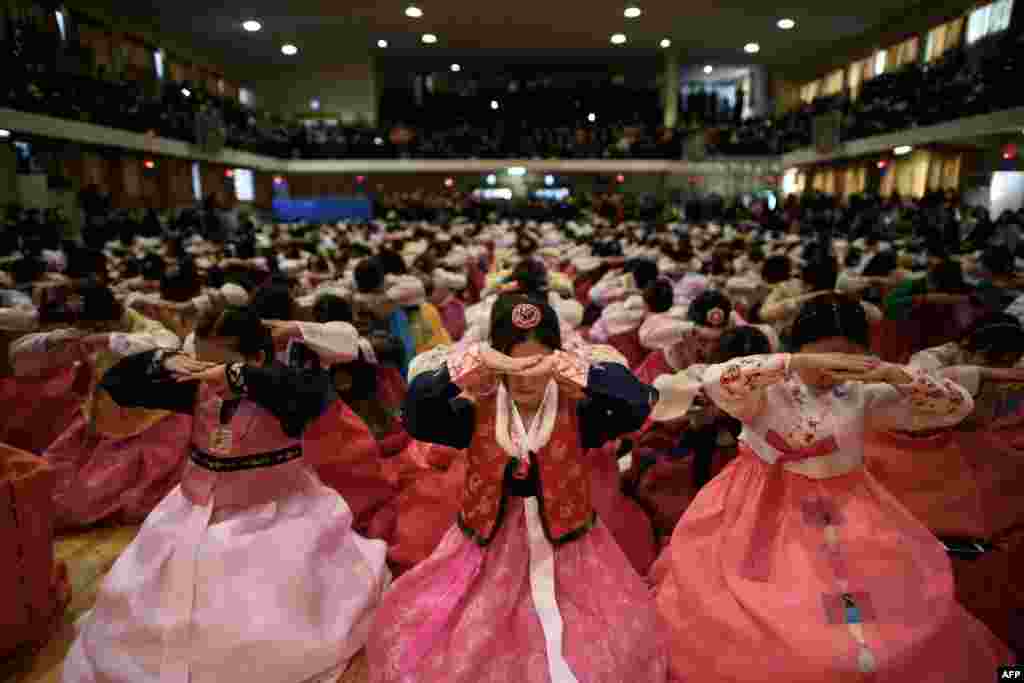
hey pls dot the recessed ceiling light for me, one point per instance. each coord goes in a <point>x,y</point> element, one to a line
<point>708,69</point>
<point>632,12</point>
<point>591,117</point>
<point>456,68</point>
<point>378,141</point>
<point>786,24</point>
<point>4,133</point>
<point>252,25</point>
<point>186,92</point>
<point>382,43</point>
<point>289,49</point>
<point>413,12</point>
<point>665,42</point>
<point>902,149</point>
<point>618,38</point>
<point>429,38</point>
<point>495,105</point>
<point>752,48</point>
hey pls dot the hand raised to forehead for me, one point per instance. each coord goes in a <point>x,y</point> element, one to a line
<point>506,365</point>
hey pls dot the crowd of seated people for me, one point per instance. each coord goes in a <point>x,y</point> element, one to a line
<point>362,327</point>
<point>957,85</point>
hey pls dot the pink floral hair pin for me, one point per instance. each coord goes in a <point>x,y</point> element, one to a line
<point>526,316</point>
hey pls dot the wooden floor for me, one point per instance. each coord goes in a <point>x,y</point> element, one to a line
<point>89,555</point>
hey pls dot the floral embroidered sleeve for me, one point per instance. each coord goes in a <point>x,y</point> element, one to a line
<point>936,357</point>
<point>334,342</point>
<point>664,331</point>
<point>468,371</point>
<point>738,386</point>
<point>621,317</point>
<point>19,319</point>
<point>145,335</point>
<point>928,401</point>
<point>36,353</point>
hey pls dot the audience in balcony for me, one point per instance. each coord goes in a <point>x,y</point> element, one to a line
<point>978,82</point>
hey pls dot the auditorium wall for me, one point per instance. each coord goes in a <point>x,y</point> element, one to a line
<point>8,175</point>
<point>126,178</point>
<point>346,90</point>
<point>890,31</point>
<point>125,47</point>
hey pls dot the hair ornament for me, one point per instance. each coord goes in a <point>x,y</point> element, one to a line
<point>716,317</point>
<point>526,316</point>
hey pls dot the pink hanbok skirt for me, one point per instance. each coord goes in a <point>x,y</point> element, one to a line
<point>665,488</point>
<point>932,477</point>
<point>37,410</point>
<point>347,458</point>
<point>103,478</point>
<point>653,367</point>
<point>271,585</point>
<point>625,519</point>
<point>430,479</point>
<point>756,581</point>
<point>466,614</point>
<point>997,459</point>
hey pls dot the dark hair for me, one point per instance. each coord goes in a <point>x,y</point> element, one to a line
<point>853,257</point>
<point>181,285</point>
<point>152,267</point>
<point>526,245</point>
<point>659,296</point>
<point>99,304</point>
<point>995,333</point>
<point>86,263</point>
<point>369,276</point>
<point>505,334</point>
<point>775,269</point>
<point>948,277</point>
<point>821,273</point>
<point>273,301</point>
<point>745,340</point>
<point>998,260</point>
<point>331,308</point>
<point>243,327</point>
<point>644,272</point>
<point>363,376</point>
<point>827,316</point>
<point>705,302</point>
<point>532,277</point>
<point>215,277</point>
<point>28,269</point>
<point>391,262</point>
<point>881,264</point>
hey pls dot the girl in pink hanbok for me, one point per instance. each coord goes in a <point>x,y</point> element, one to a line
<point>529,585</point>
<point>112,463</point>
<point>964,483</point>
<point>250,569</point>
<point>794,564</point>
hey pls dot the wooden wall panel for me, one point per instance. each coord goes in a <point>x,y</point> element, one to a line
<point>264,190</point>
<point>99,41</point>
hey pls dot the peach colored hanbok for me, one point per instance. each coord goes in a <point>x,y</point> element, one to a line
<point>795,564</point>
